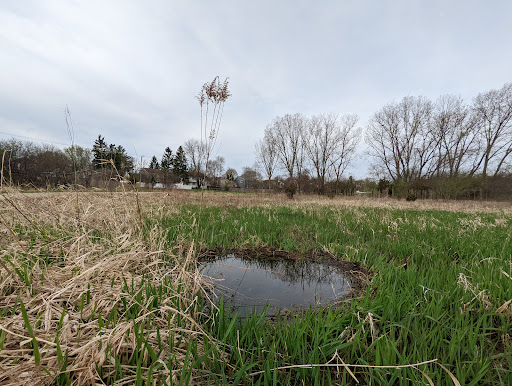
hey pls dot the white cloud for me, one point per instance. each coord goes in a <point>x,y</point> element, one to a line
<point>129,70</point>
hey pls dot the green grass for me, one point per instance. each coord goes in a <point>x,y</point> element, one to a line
<point>124,300</point>
<point>439,278</point>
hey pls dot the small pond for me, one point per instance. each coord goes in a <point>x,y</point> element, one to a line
<point>248,284</point>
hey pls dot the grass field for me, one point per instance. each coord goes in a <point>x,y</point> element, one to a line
<point>104,287</point>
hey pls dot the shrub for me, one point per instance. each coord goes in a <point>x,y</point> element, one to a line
<point>410,197</point>
<point>290,189</point>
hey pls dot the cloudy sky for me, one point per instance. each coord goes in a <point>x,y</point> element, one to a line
<point>129,70</point>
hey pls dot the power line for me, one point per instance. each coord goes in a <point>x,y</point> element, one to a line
<point>35,139</point>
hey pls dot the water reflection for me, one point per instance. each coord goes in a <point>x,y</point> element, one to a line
<point>248,284</point>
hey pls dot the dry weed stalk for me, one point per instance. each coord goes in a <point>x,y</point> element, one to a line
<point>211,99</point>
<point>96,258</point>
<point>2,170</point>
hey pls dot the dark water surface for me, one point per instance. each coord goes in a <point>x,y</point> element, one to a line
<point>248,284</point>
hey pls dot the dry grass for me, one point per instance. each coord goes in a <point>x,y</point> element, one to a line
<point>91,254</point>
<point>175,198</point>
<point>263,199</point>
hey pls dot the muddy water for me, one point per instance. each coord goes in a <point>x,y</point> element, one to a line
<point>249,284</point>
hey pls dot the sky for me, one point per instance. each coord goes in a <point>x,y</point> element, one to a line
<point>129,70</point>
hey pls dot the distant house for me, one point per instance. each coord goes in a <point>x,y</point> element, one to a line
<point>157,178</point>
<point>240,182</point>
<point>191,184</point>
<point>98,178</point>
<point>156,185</point>
<point>151,176</point>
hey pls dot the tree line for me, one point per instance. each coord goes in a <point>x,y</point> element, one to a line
<point>28,163</point>
<point>444,148</point>
<point>417,138</point>
<point>320,146</point>
<point>447,147</point>
<point>25,162</point>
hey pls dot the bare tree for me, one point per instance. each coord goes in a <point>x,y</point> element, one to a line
<point>286,134</point>
<point>301,159</point>
<point>266,156</point>
<point>231,174</point>
<point>215,169</point>
<point>457,142</point>
<point>401,140</point>
<point>493,111</point>
<point>80,156</point>
<point>251,177</point>
<point>195,153</point>
<point>324,136</point>
<point>348,138</point>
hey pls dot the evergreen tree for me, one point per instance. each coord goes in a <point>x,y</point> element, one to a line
<point>179,164</point>
<point>104,153</point>
<point>122,161</point>
<point>100,151</point>
<point>154,163</point>
<point>111,155</point>
<point>167,159</point>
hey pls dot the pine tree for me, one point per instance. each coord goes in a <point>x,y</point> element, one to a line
<point>123,162</point>
<point>100,151</point>
<point>167,159</point>
<point>179,164</point>
<point>104,153</point>
<point>154,163</point>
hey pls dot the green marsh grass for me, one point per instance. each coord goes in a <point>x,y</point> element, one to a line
<point>114,295</point>
<point>439,279</point>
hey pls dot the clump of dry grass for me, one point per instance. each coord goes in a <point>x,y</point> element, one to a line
<point>75,290</point>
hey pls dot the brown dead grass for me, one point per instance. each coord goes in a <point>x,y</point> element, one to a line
<point>68,264</point>
<point>175,198</point>
<point>227,199</point>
